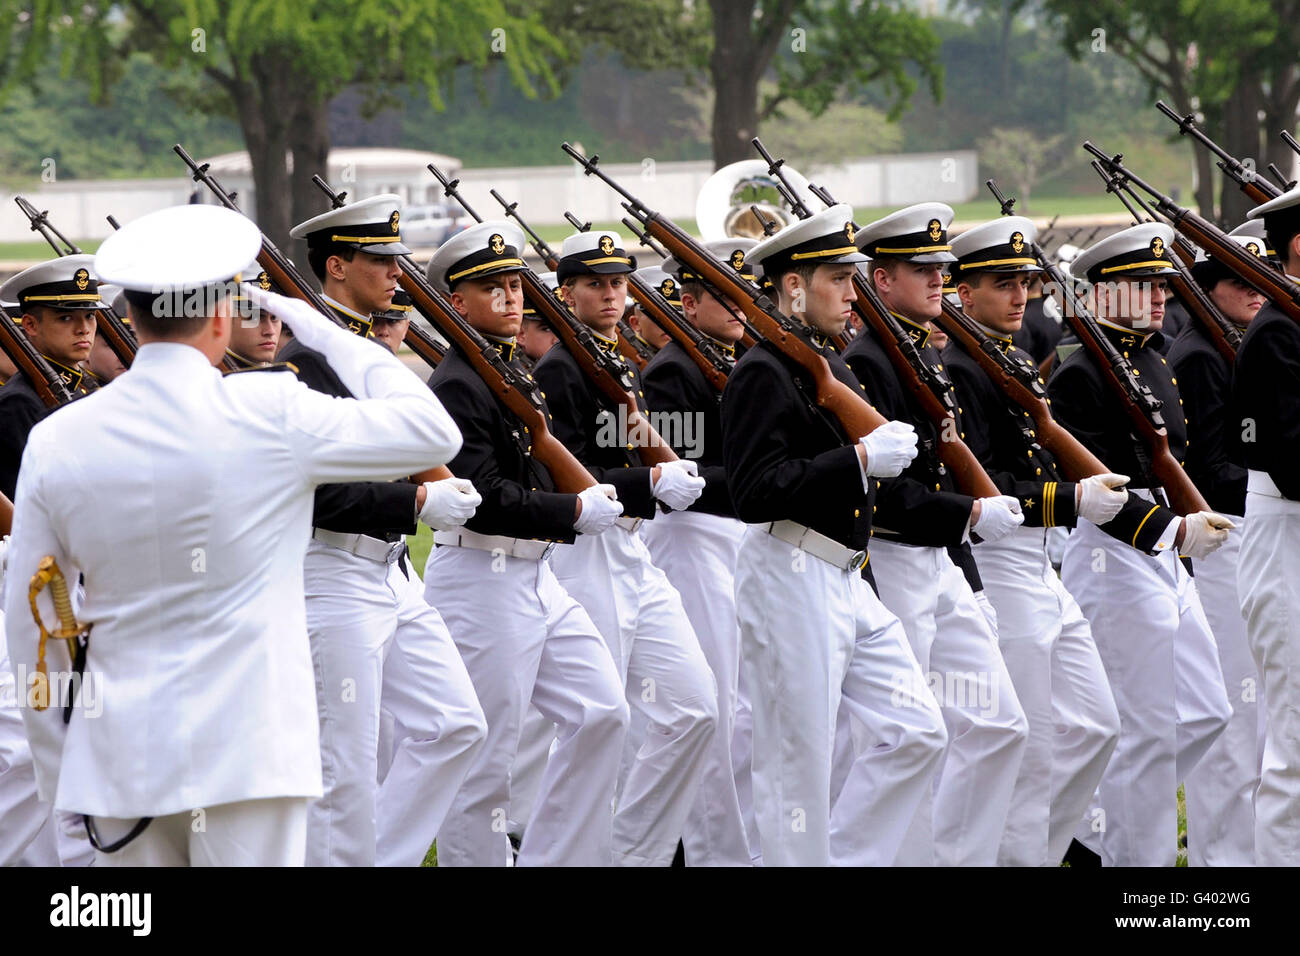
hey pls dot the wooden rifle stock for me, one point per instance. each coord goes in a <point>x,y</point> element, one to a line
<point>1075,460</point>
<point>967,472</point>
<point>47,382</point>
<point>628,347</point>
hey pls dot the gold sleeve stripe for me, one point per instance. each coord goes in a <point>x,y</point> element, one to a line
<point>1049,504</point>
<point>1141,523</point>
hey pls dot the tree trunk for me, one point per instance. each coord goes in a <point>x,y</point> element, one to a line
<point>1241,138</point>
<point>1280,105</point>
<point>1205,179</point>
<point>309,144</point>
<point>262,111</point>
<point>735,73</point>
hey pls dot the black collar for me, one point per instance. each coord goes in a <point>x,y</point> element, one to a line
<point>1124,339</point>
<point>918,333</point>
<point>71,375</point>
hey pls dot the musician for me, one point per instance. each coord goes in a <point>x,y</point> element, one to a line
<point>522,636</point>
<point>636,609</point>
<point>1266,416</point>
<point>57,301</point>
<point>1044,637</point>
<point>923,566</point>
<point>1145,614</point>
<point>815,639</point>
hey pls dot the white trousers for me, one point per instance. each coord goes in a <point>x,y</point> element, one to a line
<point>268,832</point>
<point>1163,667</point>
<point>814,637</point>
<point>1220,790</point>
<point>1061,683</point>
<point>1269,587</point>
<point>523,638</point>
<point>698,553</point>
<point>961,823</point>
<point>375,640</point>
<point>667,679</point>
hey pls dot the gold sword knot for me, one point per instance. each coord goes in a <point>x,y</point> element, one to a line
<point>49,573</point>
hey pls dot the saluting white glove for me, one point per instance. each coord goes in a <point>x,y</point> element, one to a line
<point>999,516</point>
<point>600,509</point>
<point>1203,533</point>
<point>1100,497</point>
<point>678,485</point>
<point>890,449</point>
<point>449,503</point>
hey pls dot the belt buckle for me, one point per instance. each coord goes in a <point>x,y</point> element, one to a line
<point>394,552</point>
<point>857,561</point>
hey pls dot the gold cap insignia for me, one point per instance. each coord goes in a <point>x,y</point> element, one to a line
<point>738,259</point>
<point>848,230</point>
<point>1017,242</point>
<point>393,219</point>
<point>82,278</point>
<point>264,280</point>
<point>935,230</point>
<point>607,245</point>
<point>1252,248</point>
<point>667,288</point>
<point>497,244</point>
<point>1158,247</point>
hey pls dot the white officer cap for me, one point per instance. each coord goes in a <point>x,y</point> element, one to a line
<point>66,283</point>
<point>666,285</point>
<point>1208,270</point>
<point>367,225</point>
<point>593,253</point>
<point>733,250</point>
<point>1254,228</point>
<point>824,238</point>
<point>178,248</point>
<point>1003,245</point>
<point>1141,250</point>
<point>482,250</point>
<point>918,233</point>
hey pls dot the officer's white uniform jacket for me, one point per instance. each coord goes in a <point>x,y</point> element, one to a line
<point>185,498</point>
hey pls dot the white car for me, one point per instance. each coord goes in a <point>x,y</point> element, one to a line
<point>433,224</point>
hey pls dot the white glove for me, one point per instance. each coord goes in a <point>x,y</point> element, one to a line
<point>678,485</point>
<point>999,516</point>
<point>449,503</point>
<point>1204,531</point>
<point>364,367</point>
<point>600,509</point>
<point>1100,497</point>
<point>890,449</point>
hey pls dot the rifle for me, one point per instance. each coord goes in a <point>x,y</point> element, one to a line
<point>1260,190</point>
<point>48,383</point>
<point>1217,327</point>
<point>928,387</point>
<point>1251,269</point>
<point>119,338</point>
<point>1140,405</point>
<point>607,374</point>
<point>854,413</point>
<point>518,393</point>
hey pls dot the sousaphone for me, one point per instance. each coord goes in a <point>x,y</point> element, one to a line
<point>723,211</point>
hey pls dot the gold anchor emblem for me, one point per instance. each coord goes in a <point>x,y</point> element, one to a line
<point>1252,248</point>
<point>82,278</point>
<point>497,244</point>
<point>667,288</point>
<point>1158,247</point>
<point>1017,242</point>
<point>264,280</point>
<point>848,230</point>
<point>392,220</point>
<point>738,259</point>
<point>935,230</point>
<point>607,245</point>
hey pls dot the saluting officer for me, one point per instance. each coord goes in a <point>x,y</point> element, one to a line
<point>1221,788</point>
<point>57,301</point>
<point>697,548</point>
<point>923,566</point>
<point>637,611</point>
<point>193,593</point>
<point>1266,422</point>
<point>1044,637</point>
<point>523,638</point>
<point>1146,617</point>
<point>815,639</point>
<point>375,640</point>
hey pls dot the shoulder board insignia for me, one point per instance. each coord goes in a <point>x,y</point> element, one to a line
<point>270,367</point>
